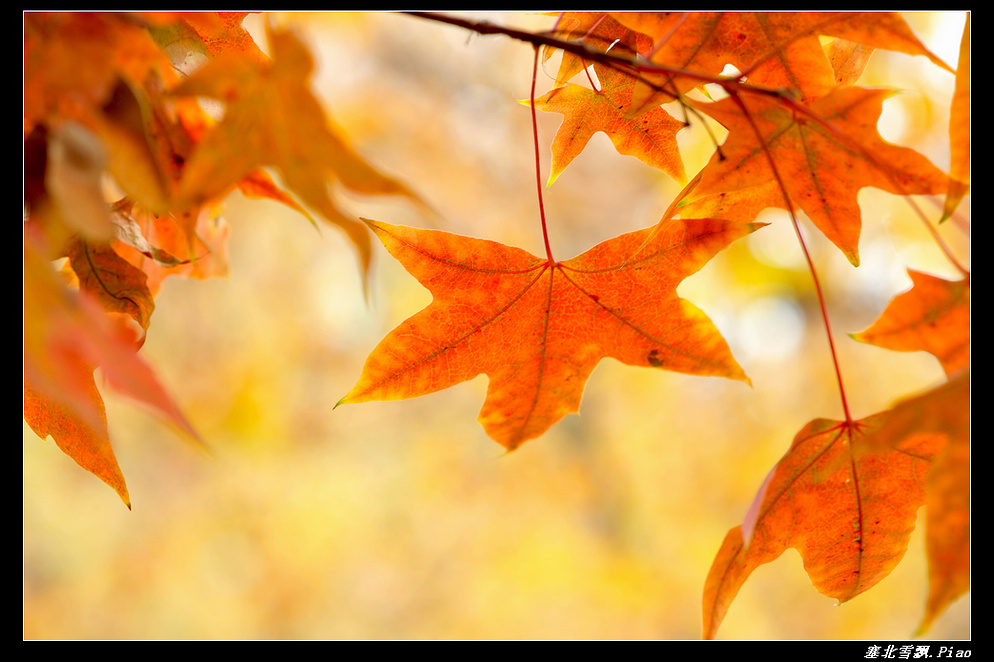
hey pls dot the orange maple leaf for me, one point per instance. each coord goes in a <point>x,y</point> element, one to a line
<point>597,30</point>
<point>823,157</point>
<point>273,119</point>
<point>770,49</point>
<point>84,439</point>
<point>650,137</point>
<point>846,497</point>
<point>538,327</point>
<point>74,60</point>
<point>67,335</point>
<point>933,316</point>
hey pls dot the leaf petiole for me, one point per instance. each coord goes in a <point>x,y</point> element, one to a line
<point>538,162</point>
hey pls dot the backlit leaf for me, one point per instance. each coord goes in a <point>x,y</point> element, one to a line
<point>823,159</point>
<point>272,118</point>
<point>846,497</point>
<point>933,316</point>
<point>537,328</point>
<point>651,137</point>
<point>959,128</point>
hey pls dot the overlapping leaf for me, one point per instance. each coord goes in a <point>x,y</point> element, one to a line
<point>74,61</point>
<point>272,118</point>
<point>846,497</point>
<point>771,49</point>
<point>651,137</point>
<point>933,316</point>
<point>97,70</point>
<point>823,157</point>
<point>67,335</point>
<point>191,244</point>
<point>97,102</point>
<point>942,411</point>
<point>599,31</point>
<point>537,328</point>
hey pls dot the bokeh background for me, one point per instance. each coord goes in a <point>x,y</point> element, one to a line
<point>402,520</point>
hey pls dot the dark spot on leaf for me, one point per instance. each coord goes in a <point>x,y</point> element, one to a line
<point>654,359</point>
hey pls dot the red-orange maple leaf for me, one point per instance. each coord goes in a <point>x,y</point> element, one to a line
<point>650,137</point>
<point>933,316</point>
<point>846,497</point>
<point>771,49</point>
<point>537,327</point>
<point>823,157</point>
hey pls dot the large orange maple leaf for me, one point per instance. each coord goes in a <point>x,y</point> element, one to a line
<point>538,327</point>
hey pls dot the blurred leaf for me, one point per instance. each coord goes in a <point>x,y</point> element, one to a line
<point>66,336</point>
<point>111,281</point>
<point>272,119</point>
<point>959,129</point>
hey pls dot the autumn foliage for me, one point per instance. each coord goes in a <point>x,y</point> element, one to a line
<point>179,110</point>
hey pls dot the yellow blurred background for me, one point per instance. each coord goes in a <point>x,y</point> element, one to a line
<point>402,520</point>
